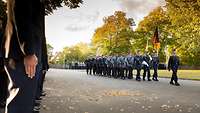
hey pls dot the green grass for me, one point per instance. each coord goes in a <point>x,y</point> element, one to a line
<point>182,74</point>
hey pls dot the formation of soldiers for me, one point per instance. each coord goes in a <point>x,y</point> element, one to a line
<point>122,66</point>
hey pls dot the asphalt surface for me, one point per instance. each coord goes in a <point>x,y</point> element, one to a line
<point>72,91</point>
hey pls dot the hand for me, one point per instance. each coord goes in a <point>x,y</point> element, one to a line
<point>30,63</point>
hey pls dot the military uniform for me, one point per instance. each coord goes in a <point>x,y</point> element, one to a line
<point>121,67</point>
<point>94,66</point>
<point>155,63</point>
<point>87,65</point>
<point>173,65</point>
<point>138,66</point>
<point>109,66</point>
<point>114,66</point>
<point>146,66</point>
<point>130,65</point>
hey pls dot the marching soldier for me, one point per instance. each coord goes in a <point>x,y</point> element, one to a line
<point>130,65</point>
<point>173,65</point>
<point>121,67</point>
<point>104,66</point>
<point>87,65</point>
<point>114,66</point>
<point>109,66</point>
<point>138,64</point>
<point>155,63</point>
<point>146,66</point>
<point>94,67</point>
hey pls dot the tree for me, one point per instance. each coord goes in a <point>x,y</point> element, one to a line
<point>51,5</point>
<point>77,53</point>
<point>156,18</point>
<point>113,37</point>
<point>49,52</point>
<point>185,19</point>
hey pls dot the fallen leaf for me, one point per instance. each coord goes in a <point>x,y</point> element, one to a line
<point>121,110</point>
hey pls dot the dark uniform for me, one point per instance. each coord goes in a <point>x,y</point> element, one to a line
<point>88,65</point>
<point>94,66</point>
<point>146,67</point>
<point>104,66</point>
<point>109,66</point>
<point>138,66</point>
<point>114,66</point>
<point>130,65</point>
<point>121,67</point>
<point>173,65</point>
<point>155,63</point>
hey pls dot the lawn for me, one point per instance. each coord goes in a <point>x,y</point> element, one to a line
<point>182,74</point>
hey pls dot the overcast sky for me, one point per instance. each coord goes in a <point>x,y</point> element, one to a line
<point>68,27</point>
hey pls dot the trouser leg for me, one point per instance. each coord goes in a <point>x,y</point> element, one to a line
<point>148,74</point>
<point>87,69</point>
<point>144,74</point>
<point>130,73</point>
<point>138,74</point>
<point>175,78</point>
<point>23,102</point>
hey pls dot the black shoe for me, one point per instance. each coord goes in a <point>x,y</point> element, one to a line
<point>172,83</point>
<point>155,79</point>
<point>138,79</point>
<point>177,84</point>
<point>144,79</point>
<point>149,79</point>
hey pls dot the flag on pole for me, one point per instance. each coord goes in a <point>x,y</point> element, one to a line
<point>155,40</point>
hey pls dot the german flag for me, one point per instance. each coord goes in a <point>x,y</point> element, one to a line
<point>155,40</point>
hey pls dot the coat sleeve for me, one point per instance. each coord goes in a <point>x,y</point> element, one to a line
<point>30,43</point>
<point>24,23</point>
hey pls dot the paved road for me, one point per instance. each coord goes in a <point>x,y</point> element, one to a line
<point>71,91</point>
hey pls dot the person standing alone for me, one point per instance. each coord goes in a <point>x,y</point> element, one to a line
<point>173,65</point>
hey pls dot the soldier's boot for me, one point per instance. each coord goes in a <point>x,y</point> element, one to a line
<point>177,84</point>
<point>138,75</point>
<point>144,74</point>
<point>155,78</point>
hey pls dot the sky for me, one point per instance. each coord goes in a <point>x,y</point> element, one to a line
<point>67,27</point>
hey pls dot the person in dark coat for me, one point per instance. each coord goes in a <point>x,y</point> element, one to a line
<point>173,65</point>
<point>23,48</point>
<point>130,65</point>
<point>138,65</point>
<point>146,66</point>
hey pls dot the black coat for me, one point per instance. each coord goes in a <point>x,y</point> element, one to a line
<point>173,62</point>
<point>28,16</point>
